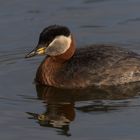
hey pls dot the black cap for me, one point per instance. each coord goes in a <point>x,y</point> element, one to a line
<point>50,32</point>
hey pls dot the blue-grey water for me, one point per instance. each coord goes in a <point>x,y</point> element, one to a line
<point>33,113</point>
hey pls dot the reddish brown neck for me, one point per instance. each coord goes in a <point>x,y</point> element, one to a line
<point>67,55</point>
<point>47,71</point>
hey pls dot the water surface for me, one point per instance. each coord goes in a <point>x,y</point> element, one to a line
<point>29,112</point>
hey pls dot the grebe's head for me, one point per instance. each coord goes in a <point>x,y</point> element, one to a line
<point>53,41</point>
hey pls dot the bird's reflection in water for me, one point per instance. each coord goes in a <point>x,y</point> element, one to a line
<point>61,103</point>
<point>57,116</point>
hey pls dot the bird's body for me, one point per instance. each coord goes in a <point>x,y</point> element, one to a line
<point>91,66</point>
<point>94,65</point>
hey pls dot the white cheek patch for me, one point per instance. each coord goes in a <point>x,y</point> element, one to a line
<point>59,45</point>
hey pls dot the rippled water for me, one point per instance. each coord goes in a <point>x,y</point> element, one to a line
<point>29,112</point>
